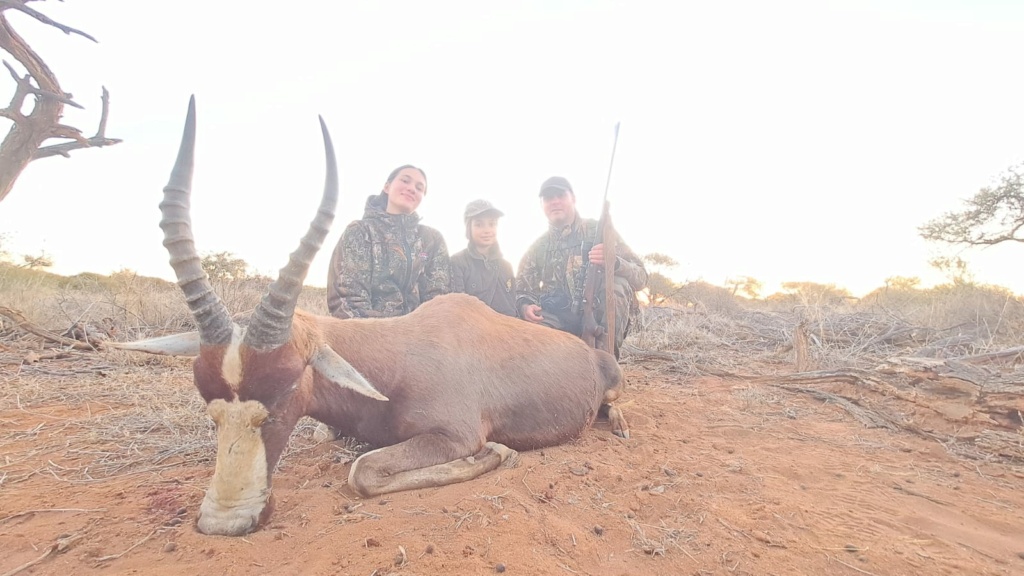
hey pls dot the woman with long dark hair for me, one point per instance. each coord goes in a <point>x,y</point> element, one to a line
<point>387,263</point>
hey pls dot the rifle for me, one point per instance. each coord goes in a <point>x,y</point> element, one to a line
<point>594,335</point>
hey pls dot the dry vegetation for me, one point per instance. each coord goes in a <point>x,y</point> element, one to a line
<point>881,380</point>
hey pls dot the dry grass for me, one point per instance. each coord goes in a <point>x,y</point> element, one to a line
<point>657,540</point>
<point>132,306</point>
<point>92,430</point>
<point>990,313</point>
<point>944,322</point>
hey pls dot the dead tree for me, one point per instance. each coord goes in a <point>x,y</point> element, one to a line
<point>23,143</point>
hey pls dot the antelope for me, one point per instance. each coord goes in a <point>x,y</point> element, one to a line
<point>445,393</point>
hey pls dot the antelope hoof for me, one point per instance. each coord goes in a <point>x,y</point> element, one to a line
<point>618,422</point>
<point>509,457</point>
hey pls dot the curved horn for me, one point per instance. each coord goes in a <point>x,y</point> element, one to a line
<point>210,313</point>
<point>271,322</point>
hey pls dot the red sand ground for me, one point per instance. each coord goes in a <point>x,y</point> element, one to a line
<point>720,477</point>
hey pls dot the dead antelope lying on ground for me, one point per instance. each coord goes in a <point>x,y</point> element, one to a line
<point>450,391</point>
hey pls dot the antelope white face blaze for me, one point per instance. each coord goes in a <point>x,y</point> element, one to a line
<point>240,487</point>
<point>231,368</point>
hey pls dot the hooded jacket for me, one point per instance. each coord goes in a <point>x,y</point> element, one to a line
<point>386,265</point>
<point>488,277</point>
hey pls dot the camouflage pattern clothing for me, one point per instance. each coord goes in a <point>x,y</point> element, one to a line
<point>488,277</point>
<point>551,276</point>
<point>386,265</point>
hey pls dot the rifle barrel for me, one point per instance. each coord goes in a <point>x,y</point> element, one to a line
<point>608,180</point>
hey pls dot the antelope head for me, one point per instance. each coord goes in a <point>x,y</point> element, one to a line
<point>254,378</point>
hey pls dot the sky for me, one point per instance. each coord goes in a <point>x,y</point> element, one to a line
<point>801,141</point>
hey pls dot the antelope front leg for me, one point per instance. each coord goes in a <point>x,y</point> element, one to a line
<point>424,461</point>
<point>618,422</point>
<point>615,417</point>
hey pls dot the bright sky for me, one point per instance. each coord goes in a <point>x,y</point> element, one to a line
<point>788,140</point>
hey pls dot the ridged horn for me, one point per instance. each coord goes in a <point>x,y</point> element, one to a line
<point>271,322</point>
<point>207,308</point>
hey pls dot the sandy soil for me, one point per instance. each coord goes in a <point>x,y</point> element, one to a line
<point>721,476</point>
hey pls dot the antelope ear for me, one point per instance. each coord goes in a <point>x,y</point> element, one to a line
<point>184,344</point>
<point>336,369</point>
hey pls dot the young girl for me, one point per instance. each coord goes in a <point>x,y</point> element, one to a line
<point>480,270</point>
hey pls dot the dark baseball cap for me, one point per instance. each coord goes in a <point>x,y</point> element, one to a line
<point>478,207</point>
<point>555,184</point>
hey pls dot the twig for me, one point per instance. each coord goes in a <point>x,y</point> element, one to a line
<point>58,547</point>
<point>979,472</point>
<point>523,480</point>
<point>27,512</point>
<point>1007,354</point>
<point>850,566</point>
<point>56,355</point>
<point>101,130</point>
<point>726,524</point>
<point>910,492</point>
<point>13,72</point>
<point>463,518</point>
<point>20,6</point>
<point>494,500</point>
<point>994,503</point>
<point>132,547</point>
<point>973,549</point>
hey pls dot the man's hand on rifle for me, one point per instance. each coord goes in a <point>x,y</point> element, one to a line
<point>596,255</point>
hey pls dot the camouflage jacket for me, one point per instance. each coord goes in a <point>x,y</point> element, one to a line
<point>553,265</point>
<point>489,278</point>
<point>386,265</point>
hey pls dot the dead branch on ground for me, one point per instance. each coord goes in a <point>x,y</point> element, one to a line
<point>21,322</point>
<point>1013,355</point>
<point>869,418</point>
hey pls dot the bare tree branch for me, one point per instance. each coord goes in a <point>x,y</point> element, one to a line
<point>13,110</point>
<point>25,88</point>
<point>23,143</point>
<point>105,99</point>
<point>64,148</point>
<point>63,131</point>
<point>20,5</point>
<point>97,141</point>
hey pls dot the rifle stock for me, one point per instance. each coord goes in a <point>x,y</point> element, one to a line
<point>593,333</point>
<point>610,258</point>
